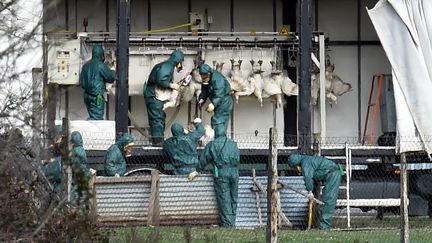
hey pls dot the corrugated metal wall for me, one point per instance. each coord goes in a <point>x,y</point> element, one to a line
<point>294,206</point>
<point>184,202</point>
<point>192,203</point>
<point>118,200</point>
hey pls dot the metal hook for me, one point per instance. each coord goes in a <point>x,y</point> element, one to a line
<point>143,50</point>
<point>256,48</point>
<point>181,43</point>
<point>238,49</point>
<point>162,43</point>
<point>200,43</point>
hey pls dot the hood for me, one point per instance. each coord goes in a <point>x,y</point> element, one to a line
<point>124,140</point>
<point>176,57</point>
<point>177,130</point>
<point>294,159</point>
<point>76,139</point>
<point>204,69</point>
<point>98,53</point>
<point>58,129</point>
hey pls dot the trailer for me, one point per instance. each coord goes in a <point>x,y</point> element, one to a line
<point>134,35</point>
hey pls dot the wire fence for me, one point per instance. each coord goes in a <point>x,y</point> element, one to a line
<point>150,204</point>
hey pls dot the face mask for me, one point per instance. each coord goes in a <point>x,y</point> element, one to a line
<point>128,149</point>
<point>179,67</point>
<point>205,78</point>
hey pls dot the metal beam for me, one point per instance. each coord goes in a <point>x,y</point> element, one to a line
<point>304,107</point>
<point>122,54</point>
<point>289,17</point>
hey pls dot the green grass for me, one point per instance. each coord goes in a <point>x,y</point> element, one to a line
<point>215,234</point>
<point>392,221</point>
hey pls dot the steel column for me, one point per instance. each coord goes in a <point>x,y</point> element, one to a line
<point>122,54</point>
<point>304,107</point>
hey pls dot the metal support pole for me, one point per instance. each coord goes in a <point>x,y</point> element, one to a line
<point>304,108</point>
<point>322,97</point>
<point>122,89</point>
<point>348,181</point>
<point>272,193</point>
<point>289,18</point>
<point>66,101</point>
<point>404,234</point>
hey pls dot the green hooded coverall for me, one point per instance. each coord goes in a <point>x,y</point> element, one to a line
<point>224,155</point>
<point>94,75</point>
<point>182,148</point>
<point>114,162</point>
<point>80,172</point>
<point>325,171</point>
<point>218,91</point>
<point>160,76</point>
<point>53,172</point>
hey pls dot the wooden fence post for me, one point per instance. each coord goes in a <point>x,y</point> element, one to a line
<point>404,234</point>
<point>66,180</point>
<point>272,190</point>
<point>153,210</point>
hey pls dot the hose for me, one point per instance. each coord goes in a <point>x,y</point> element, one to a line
<point>166,29</point>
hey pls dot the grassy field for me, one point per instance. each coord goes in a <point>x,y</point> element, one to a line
<point>215,234</point>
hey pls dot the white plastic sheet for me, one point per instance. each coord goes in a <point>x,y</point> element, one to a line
<point>405,31</point>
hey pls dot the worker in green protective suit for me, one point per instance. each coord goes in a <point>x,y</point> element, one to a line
<point>218,90</point>
<point>93,78</point>
<point>53,168</point>
<point>325,171</point>
<point>81,174</point>
<point>160,77</point>
<point>224,155</point>
<point>182,147</point>
<point>114,162</point>
<point>53,172</point>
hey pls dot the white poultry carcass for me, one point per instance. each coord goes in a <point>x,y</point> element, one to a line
<point>168,96</point>
<point>193,88</point>
<point>272,87</point>
<point>335,86</point>
<point>236,78</point>
<point>288,87</point>
<point>250,88</point>
<point>339,87</point>
<point>218,66</point>
<point>208,135</point>
<point>256,81</point>
<point>173,98</point>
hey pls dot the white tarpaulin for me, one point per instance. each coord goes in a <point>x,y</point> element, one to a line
<point>405,31</point>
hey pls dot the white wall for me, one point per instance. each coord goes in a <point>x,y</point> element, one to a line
<point>338,20</point>
<point>221,19</point>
